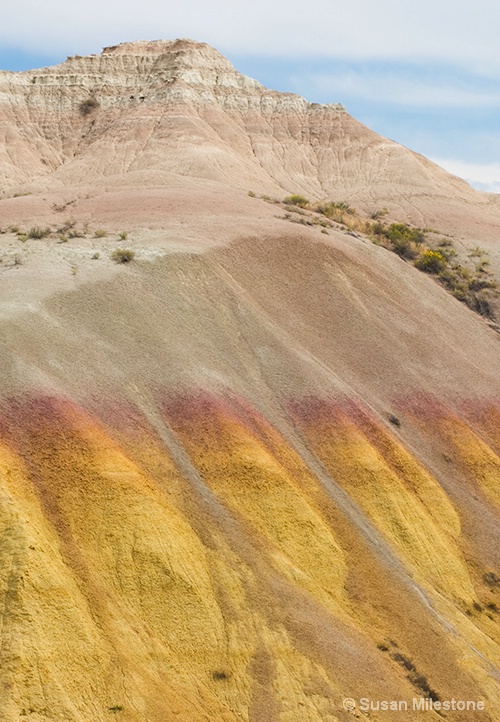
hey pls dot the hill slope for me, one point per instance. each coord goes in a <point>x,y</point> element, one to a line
<point>255,471</point>
<point>143,114</point>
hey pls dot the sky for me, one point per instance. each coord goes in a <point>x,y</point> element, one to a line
<point>425,74</point>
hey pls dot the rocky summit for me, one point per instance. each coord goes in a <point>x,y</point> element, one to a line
<point>249,406</point>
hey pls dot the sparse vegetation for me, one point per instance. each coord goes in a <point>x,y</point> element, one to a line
<point>336,211</point>
<point>404,661</point>
<point>475,286</point>
<point>74,233</point>
<point>88,106</point>
<point>399,237</point>
<point>491,579</point>
<point>296,200</point>
<point>60,207</point>
<point>100,233</point>
<point>123,235</point>
<point>379,213</point>
<point>67,225</point>
<point>122,255</point>
<point>476,252</point>
<point>220,675</point>
<point>431,261</point>
<point>38,233</point>
<point>419,681</point>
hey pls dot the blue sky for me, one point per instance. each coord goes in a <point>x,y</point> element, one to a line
<point>425,74</point>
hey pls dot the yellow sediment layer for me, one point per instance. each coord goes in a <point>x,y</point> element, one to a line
<point>242,470</point>
<point>139,543</point>
<point>476,649</point>
<point>50,645</point>
<point>406,503</point>
<point>150,619</point>
<point>480,460</point>
<point>146,617</point>
<point>280,680</point>
<point>158,611</point>
<point>484,416</point>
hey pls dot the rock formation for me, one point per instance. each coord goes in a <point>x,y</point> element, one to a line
<point>255,472</point>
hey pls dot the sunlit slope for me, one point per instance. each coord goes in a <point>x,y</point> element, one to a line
<point>246,484</point>
<point>163,114</point>
<point>134,585</point>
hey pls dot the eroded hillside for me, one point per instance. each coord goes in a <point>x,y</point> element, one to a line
<point>254,471</point>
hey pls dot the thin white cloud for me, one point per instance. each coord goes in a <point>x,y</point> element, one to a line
<point>484,176</point>
<point>433,29</point>
<point>396,88</point>
<point>396,34</point>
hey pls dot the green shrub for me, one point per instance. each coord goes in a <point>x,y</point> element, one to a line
<point>455,278</point>
<point>404,248</point>
<point>335,210</point>
<point>122,255</point>
<point>378,229</point>
<point>37,232</point>
<point>448,253</point>
<point>400,231</point>
<point>476,252</point>
<point>431,262</point>
<point>483,306</point>
<point>88,106</point>
<point>379,213</point>
<point>296,200</point>
<point>67,225</point>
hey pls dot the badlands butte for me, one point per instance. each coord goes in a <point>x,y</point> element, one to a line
<point>255,470</point>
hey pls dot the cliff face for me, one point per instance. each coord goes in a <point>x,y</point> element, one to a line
<point>255,471</point>
<point>147,113</point>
